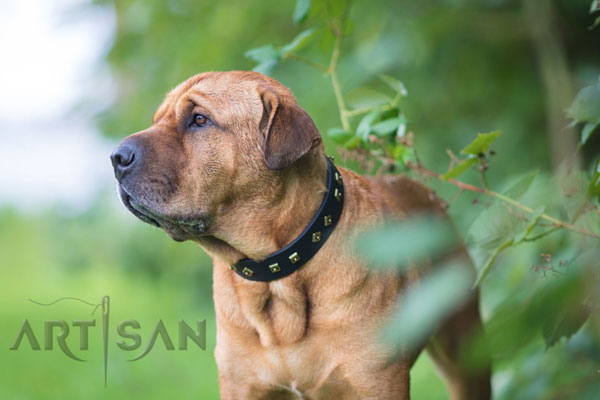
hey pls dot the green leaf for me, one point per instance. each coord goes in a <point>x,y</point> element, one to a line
<point>426,305</point>
<point>339,135</point>
<point>301,10</point>
<point>401,131</point>
<point>395,84</point>
<point>516,321</point>
<point>266,67</point>
<point>595,6</point>
<point>484,270</point>
<point>567,297</point>
<point>521,186</point>
<point>587,131</point>
<point>404,154</point>
<point>493,227</point>
<point>407,241</point>
<point>366,97</point>
<point>565,324</point>
<point>594,187</point>
<point>364,126</point>
<point>460,168</point>
<point>481,143</point>
<point>496,230</point>
<point>586,106</point>
<point>299,42</point>
<point>352,143</point>
<point>533,220</point>
<point>387,126</point>
<point>264,54</point>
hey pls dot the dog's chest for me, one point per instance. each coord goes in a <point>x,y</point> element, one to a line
<point>305,370</point>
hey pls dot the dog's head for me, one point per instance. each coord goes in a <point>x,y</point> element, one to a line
<point>219,139</point>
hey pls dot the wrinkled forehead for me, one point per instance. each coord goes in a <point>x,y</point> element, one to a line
<point>227,95</point>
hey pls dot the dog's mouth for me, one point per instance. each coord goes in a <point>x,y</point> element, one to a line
<point>178,228</point>
<point>135,208</point>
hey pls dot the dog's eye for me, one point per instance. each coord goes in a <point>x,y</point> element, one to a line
<point>199,120</point>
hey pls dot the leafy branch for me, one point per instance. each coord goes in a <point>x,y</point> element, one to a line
<point>381,133</point>
<point>474,150</point>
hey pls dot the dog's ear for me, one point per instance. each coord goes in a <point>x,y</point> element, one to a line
<point>289,131</point>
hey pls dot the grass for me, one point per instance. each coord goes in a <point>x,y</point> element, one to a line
<point>30,269</point>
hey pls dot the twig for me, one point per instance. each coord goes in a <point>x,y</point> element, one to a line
<point>346,114</point>
<point>455,195</point>
<point>541,235</point>
<point>306,61</point>
<point>483,179</point>
<point>453,159</point>
<point>466,186</point>
<point>365,110</point>
<point>337,88</point>
<point>592,206</point>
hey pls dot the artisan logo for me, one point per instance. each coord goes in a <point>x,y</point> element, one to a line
<point>126,330</point>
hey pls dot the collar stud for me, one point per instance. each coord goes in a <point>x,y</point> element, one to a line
<point>316,237</point>
<point>294,257</point>
<point>274,267</point>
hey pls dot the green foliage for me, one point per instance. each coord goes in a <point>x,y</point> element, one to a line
<point>365,126</point>
<point>481,144</point>
<point>466,72</point>
<point>299,42</point>
<point>586,110</point>
<point>595,7</point>
<point>499,228</point>
<point>102,251</point>
<point>364,97</point>
<point>411,241</point>
<point>301,10</point>
<point>425,305</point>
<point>412,244</point>
<point>460,168</point>
<point>475,151</point>
<point>520,187</point>
<point>594,187</point>
<point>395,84</point>
<point>558,307</point>
<point>267,58</point>
<point>386,127</point>
<point>500,234</point>
<point>339,135</point>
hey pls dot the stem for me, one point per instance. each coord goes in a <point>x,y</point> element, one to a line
<point>461,185</point>
<point>337,88</point>
<point>466,186</point>
<point>381,107</point>
<point>556,222</point>
<point>485,270</point>
<point>345,115</point>
<point>592,205</point>
<point>306,61</point>
<point>482,169</point>
<point>338,32</point>
<point>541,235</point>
<point>364,110</point>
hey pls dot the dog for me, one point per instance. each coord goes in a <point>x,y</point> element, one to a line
<point>233,163</point>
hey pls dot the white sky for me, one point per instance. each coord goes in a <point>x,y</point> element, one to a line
<point>49,52</point>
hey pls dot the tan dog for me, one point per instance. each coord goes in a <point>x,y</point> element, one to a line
<point>234,164</point>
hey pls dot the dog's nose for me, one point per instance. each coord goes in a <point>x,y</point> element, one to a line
<point>123,158</point>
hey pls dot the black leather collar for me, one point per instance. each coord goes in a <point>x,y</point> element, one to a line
<point>293,256</point>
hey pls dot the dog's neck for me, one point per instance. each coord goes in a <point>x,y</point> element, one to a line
<point>257,228</point>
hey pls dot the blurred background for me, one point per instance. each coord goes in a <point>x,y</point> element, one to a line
<point>77,76</point>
